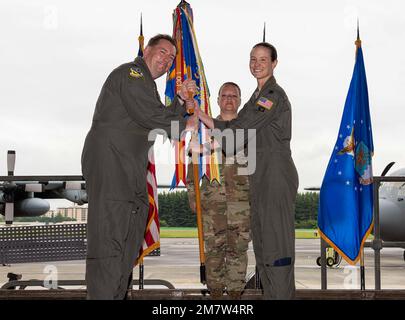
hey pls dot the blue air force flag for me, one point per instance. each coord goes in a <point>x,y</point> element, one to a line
<point>346,198</point>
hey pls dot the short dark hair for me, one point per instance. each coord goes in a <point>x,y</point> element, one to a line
<point>272,49</point>
<point>229,83</point>
<point>155,40</point>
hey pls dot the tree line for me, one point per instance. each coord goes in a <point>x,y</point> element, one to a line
<point>174,210</point>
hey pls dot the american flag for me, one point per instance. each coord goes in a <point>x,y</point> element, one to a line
<point>265,103</point>
<point>151,239</point>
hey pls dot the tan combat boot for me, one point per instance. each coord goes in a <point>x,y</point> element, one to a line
<point>235,295</point>
<point>216,294</point>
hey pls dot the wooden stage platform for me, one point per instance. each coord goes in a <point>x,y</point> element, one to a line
<point>198,294</point>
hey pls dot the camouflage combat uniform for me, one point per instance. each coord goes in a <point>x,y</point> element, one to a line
<point>226,224</point>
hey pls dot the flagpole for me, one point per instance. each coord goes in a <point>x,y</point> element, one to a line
<point>264,32</point>
<point>362,271</point>
<point>153,185</point>
<point>362,267</point>
<point>140,54</point>
<point>141,40</point>
<point>196,177</point>
<point>141,275</point>
<point>188,68</point>
<point>358,41</point>
<point>199,218</point>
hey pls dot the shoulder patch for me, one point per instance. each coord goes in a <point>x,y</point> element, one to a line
<point>264,104</point>
<point>135,73</point>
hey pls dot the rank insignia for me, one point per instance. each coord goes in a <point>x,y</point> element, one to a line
<point>135,73</point>
<point>264,104</point>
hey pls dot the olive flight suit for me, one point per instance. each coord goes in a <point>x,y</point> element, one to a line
<point>114,164</point>
<point>273,187</point>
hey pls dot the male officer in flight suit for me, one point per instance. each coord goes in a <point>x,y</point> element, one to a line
<point>114,164</point>
<point>274,184</point>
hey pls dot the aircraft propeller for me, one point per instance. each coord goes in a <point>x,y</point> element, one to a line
<point>10,188</point>
<point>387,168</point>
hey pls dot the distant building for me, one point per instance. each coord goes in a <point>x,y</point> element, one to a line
<point>50,214</point>
<point>76,212</point>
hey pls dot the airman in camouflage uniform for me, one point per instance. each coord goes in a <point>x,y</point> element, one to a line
<point>225,213</point>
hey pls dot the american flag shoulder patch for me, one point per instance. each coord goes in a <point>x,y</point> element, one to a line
<point>264,103</point>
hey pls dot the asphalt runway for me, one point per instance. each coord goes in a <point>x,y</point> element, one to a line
<point>179,264</point>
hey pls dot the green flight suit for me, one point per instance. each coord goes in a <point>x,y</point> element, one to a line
<point>273,187</point>
<point>114,164</point>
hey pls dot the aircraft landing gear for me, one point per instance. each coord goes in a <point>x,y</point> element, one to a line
<point>333,258</point>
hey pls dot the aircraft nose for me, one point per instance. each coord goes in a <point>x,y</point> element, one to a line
<point>392,220</point>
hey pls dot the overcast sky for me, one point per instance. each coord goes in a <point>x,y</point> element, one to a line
<point>56,55</point>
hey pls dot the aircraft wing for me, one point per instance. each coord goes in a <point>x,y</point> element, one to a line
<point>313,188</point>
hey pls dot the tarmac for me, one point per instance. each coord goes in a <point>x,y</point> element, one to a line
<point>179,264</point>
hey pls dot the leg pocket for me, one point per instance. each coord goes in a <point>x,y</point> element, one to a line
<point>120,221</point>
<point>107,240</point>
<point>282,282</point>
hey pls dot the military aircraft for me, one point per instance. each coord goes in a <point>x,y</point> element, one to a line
<point>392,213</point>
<point>392,209</point>
<point>25,196</point>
